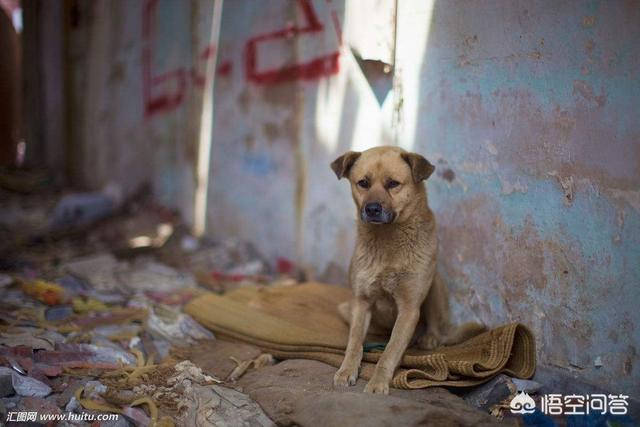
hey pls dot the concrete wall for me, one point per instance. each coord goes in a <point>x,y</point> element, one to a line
<point>528,109</point>
<point>135,83</point>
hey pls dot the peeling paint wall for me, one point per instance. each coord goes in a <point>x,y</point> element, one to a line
<point>528,109</point>
<point>276,130</point>
<point>530,112</point>
<point>135,77</point>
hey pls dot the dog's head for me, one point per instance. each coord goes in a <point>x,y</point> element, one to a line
<point>384,181</point>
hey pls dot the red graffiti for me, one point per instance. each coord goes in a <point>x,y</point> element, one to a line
<point>156,100</point>
<point>166,91</point>
<point>313,69</point>
<point>205,56</point>
<point>224,70</point>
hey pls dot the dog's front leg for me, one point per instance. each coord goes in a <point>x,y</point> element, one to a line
<point>360,317</point>
<point>403,329</point>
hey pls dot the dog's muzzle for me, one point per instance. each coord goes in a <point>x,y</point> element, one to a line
<point>375,214</point>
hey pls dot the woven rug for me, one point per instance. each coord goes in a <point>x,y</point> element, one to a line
<point>302,322</point>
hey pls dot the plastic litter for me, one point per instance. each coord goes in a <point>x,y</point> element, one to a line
<point>82,209</point>
<point>96,326</point>
<point>176,327</point>
<point>26,386</point>
<point>27,337</point>
<point>154,276</point>
<point>82,305</point>
<point>47,292</point>
<point>98,270</point>
<point>93,389</point>
<point>97,356</point>
<point>59,312</point>
<point>219,406</point>
<point>189,244</point>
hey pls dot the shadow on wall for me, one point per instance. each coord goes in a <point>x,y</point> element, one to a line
<point>293,122</point>
<point>10,95</point>
<point>529,111</point>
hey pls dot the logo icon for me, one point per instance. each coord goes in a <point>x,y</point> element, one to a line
<point>522,403</point>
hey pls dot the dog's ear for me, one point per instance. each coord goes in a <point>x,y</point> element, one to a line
<point>342,164</point>
<point>421,169</point>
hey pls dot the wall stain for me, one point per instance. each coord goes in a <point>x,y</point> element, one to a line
<point>447,174</point>
<point>271,131</point>
<point>585,90</point>
<point>588,21</point>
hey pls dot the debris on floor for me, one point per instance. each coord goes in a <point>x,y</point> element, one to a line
<point>264,359</point>
<point>90,315</point>
<point>93,321</point>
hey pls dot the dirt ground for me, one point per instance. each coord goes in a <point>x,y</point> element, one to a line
<point>300,393</point>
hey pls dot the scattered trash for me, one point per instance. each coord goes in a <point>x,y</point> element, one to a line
<point>176,327</point>
<point>118,332</point>
<point>81,305</point>
<point>27,337</point>
<point>93,389</point>
<point>98,270</point>
<point>25,386</point>
<point>172,298</point>
<point>189,244</point>
<point>153,276</point>
<point>46,292</point>
<point>285,266</point>
<point>527,386</point>
<point>59,312</point>
<point>597,362</point>
<point>492,392</point>
<point>186,370</point>
<point>264,359</point>
<point>89,316</point>
<point>198,401</point>
<point>91,356</point>
<point>83,209</point>
<point>220,406</point>
<point>252,268</point>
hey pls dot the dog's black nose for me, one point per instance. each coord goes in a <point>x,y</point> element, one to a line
<point>373,209</point>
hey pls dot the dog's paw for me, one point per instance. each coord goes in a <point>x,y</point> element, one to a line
<point>345,377</point>
<point>377,386</point>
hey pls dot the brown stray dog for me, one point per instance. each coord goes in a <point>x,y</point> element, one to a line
<point>393,268</point>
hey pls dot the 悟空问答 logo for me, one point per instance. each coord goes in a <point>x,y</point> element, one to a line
<point>522,403</point>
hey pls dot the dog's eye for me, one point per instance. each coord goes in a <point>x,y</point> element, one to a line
<point>392,183</point>
<point>363,183</point>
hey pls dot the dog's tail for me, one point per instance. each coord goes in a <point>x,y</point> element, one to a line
<point>461,333</point>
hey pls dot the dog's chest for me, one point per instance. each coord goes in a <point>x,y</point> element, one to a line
<point>380,270</point>
<point>375,281</point>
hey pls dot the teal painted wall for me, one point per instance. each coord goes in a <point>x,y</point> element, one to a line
<point>531,111</point>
